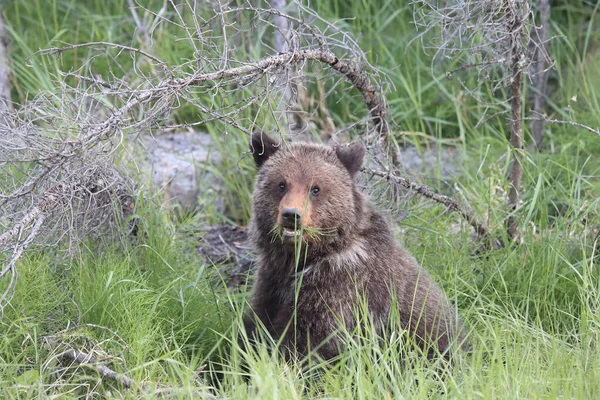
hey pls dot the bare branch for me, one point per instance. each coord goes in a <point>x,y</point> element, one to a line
<point>558,121</point>
<point>86,359</point>
<point>479,36</point>
<point>140,27</point>
<point>480,229</point>
<point>59,50</point>
<point>66,347</point>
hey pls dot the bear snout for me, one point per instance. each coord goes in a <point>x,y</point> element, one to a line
<point>291,218</point>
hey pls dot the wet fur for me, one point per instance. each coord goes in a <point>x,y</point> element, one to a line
<point>360,258</point>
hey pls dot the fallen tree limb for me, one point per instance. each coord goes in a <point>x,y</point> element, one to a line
<point>480,229</point>
<point>88,360</point>
<point>353,73</point>
<point>359,78</point>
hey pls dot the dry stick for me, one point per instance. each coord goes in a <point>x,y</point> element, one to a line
<point>480,229</point>
<point>105,372</point>
<point>573,123</point>
<point>87,359</point>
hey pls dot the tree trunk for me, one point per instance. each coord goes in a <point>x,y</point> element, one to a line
<point>515,15</point>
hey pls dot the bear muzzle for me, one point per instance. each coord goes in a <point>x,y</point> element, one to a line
<point>291,221</point>
<point>294,215</point>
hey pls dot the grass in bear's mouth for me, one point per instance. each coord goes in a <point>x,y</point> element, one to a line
<point>315,234</point>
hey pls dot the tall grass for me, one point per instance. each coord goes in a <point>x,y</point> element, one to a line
<point>163,315</point>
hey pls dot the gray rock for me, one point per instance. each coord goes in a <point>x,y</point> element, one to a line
<point>447,159</point>
<point>176,163</point>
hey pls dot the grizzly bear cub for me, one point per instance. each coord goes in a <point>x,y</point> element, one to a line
<point>322,248</point>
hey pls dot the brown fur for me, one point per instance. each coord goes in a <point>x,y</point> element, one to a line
<point>357,256</point>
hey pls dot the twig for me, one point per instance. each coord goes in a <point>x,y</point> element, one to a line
<point>141,28</point>
<point>353,73</point>
<point>480,229</point>
<point>88,360</point>
<point>59,50</point>
<point>572,123</point>
<point>491,36</point>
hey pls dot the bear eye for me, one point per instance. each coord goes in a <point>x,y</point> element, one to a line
<point>315,191</point>
<point>282,187</point>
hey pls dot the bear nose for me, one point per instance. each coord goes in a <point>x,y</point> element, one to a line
<point>291,216</point>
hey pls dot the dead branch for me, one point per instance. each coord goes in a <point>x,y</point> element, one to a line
<point>62,346</point>
<point>480,36</point>
<point>353,73</point>
<point>480,229</point>
<point>564,122</point>
<point>88,360</point>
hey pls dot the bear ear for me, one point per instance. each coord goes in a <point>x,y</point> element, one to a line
<point>262,147</point>
<point>352,157</point>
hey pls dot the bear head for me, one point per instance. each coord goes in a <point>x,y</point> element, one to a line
<point>305,193</point>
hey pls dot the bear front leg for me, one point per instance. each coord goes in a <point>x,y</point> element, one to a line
<point>264,307</point>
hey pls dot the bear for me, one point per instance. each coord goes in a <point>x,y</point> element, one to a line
<point>321,245</point>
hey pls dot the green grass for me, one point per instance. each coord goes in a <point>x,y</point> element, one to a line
<point>151,308</point>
